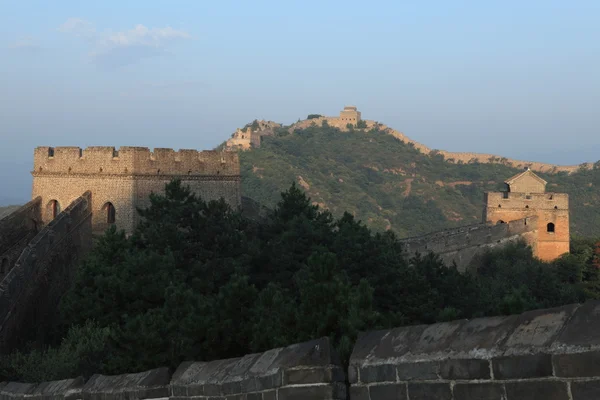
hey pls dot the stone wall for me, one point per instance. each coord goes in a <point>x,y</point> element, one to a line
<point>551,354</point>
<point>307,371</point>
<point>16,230</point>
<point>30,292</point>
<point>462,245</point>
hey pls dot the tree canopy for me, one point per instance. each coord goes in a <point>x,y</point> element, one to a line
<point>199,281</point>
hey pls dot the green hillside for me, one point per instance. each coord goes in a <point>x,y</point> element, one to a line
<point>390,185</point>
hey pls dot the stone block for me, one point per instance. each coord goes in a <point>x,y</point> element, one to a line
<point>522,366</point>
<point>582,329</point>
<point>483,335</point>
<point>378,373</point>
<point>308,392</point>
<point>395,391</point>
<point>359,392</point>
<point>418,371</point>
<point>585,390</point>
<point>465,369</point>
<point>270,395</point>
<point>479,391</point>
<point>297,376</point>
<point>577,364</point>
<point>429,391</point>
<point>536,390</point>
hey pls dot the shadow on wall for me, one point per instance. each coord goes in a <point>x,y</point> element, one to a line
<point>31,290</point>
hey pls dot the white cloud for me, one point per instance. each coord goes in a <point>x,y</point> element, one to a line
<point>125,47</point>
<point>25,44</point>
<point>78,27</point>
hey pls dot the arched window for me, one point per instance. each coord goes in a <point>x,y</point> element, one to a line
<point>550,227</point>
<point>500,222</point>
<point>4,266</point>
<point>109,211</point>
<point>53,209</point>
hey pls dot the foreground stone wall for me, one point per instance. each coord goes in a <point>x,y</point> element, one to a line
<point>551,354</point>
<point>31,290</point>
<point>16,230</point>
<point>462,245</point>
<point>309,370</point>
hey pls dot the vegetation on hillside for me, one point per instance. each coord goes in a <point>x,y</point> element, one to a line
<point>199,281</point>
<point>390,185</point>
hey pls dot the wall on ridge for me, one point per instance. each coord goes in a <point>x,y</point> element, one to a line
<point>551,354</point>
<point>30,292</point>
<point>16,230</point>
<point>462,245</point>
<point>309,370</point>
<point>452,157</point>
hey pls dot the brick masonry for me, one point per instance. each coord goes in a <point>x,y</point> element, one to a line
<point>551,354</point>
<point>125,178</point>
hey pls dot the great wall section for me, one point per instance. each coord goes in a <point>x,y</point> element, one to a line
<point>247,138</point>
<point>551,354</point>
<point>546,354</point>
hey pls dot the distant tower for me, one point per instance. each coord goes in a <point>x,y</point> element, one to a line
<point>526,196</point>
<point>350,115</point>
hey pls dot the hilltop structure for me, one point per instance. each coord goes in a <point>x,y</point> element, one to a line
<point>121,180</point>
<point>250,136</point>
<point>525,196</point>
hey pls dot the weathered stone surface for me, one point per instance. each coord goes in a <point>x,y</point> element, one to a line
<point>138,384</point>
<point>388,391</point>
<point>418,371</point>
<point>577,364</point>
<point>464,369</point>
<point>429,391</point>
<point>479,391</point>
<point>483,337</point>
<point>522,366</point>
<point>585,390</point>
<point>536,390</point>
<point>537,329</point>
<point>583,327</point>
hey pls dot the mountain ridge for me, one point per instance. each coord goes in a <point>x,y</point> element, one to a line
<point>387,180</point>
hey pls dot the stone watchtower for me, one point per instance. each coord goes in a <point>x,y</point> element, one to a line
<point>121,180</point>
<point>526,196</point>
<point>350,115</point>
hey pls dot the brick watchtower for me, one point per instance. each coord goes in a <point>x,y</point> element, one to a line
<point>526,196</point>
<point>121,180</point>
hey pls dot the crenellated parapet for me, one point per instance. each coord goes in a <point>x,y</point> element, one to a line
<point>134,161</point>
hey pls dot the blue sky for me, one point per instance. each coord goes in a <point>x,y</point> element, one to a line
<point>516,78</point>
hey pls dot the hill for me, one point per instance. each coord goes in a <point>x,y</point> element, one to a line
<point>390,184</point>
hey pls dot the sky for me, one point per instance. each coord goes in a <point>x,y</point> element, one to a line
<point>520,79</point>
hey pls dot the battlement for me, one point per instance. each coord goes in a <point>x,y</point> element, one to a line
<point>98,160</point>
<point>538,201</point>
